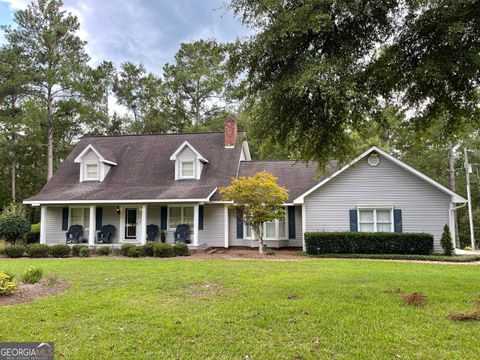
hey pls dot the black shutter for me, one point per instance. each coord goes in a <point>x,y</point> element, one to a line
<point>291,222</point>
<point>353,220</point>
<point>397,220</point>
<point>65,219</point>
<point>98,218</point>
<point>239,225</point>
<point>200,217</point>
<point>163,217</point>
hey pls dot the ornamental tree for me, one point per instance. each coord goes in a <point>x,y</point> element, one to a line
<point>446,241</point>
<point>257,199</point>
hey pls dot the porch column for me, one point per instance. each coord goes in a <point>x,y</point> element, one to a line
<point>93,225</point>
<point>304,227</point>
<point>225,224</point>
<point>143,225</point>
<point>195,225</point>
<point>43,225</point>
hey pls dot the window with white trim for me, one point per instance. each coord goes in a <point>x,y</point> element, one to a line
<point>91,171</point>
<point>187,169</point>
<point>80,216</point>
<point>272,230</point>
<point>178,215</point>
<point>375,220</point>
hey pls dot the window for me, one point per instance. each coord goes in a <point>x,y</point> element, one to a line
<point>80,216</point>
<point>272,230</point>
<point>180,215</point>
<point>186,169</point>
<point>91,171</point>
<point>375,220</point>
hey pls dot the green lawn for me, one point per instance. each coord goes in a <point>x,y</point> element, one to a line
<point>151,308</point>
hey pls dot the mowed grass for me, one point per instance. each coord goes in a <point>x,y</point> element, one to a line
<point>235,309</point>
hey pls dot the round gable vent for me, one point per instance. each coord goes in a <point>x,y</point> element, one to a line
<point>373,160</point>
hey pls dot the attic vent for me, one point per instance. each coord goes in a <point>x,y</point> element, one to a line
<point>373,160</point>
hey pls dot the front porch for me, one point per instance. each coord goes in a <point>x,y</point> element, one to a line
<point>130,222</point>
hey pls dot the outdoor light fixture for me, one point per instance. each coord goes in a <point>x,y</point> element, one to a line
<point>117,210</point>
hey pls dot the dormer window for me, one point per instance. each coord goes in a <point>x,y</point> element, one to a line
<point>187,169</point>
<point>91,171</point>
<point>94,163</point>
<point>189,162</point>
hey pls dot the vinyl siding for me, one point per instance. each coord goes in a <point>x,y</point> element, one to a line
<point>54,233</point>
<point>213,226</point>
<point>110,217</point>
<point>424,208</point>
<point>232,230</point>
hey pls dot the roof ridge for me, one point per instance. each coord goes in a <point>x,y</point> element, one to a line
<point>157,134</point>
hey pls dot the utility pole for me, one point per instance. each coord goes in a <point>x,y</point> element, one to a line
<point>468,169</point>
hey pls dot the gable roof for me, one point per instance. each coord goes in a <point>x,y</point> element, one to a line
<point>296,177</point>
<point>187,144</point>
<point>454,196</point>
<point>144,170</point>
<point>104,155</point>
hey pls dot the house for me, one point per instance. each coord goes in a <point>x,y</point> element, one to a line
<point>132,181</point>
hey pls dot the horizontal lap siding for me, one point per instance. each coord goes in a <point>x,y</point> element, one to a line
<point>110,217</point>
<point>213,233</point>
<point>54,233</point>
<point>232,229</point>
<point>424,208</point>
<point>297,242</point>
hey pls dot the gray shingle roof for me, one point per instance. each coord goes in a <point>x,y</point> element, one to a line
<point>297,177</point>
<point>144,169</point>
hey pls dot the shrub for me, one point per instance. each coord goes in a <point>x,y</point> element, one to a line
<point>135,251</point>
<point>13,227</point>
<point>60,250</point>
<point>468,248</point>
<point>103,251</point>
<point>270,252</point>
<point>84,251</point>
<point>148,249</point>
<point>32,275</point>
<point>34,235</point>
<point>368,243</point>
<point>446,241</point>
<point>14,251</point>
<point>7,285</point>
<point>76,249</point>
<point>38,250</point>
<point>124,249</point>
<point>181,250</point>
<point>162,250</point>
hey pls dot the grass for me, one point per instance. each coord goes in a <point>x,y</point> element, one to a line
<point>255,309</point>
<point>454,258</point>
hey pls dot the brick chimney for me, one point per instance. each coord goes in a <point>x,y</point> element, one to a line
<point>230,132</point>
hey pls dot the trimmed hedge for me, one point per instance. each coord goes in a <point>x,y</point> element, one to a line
<point>368,243</point>
<point>76,249</point>
<point>163,250</point>
<point>14,251</point>
<point>38,250</point>
<point>181,250</point>
<point>60,250</point>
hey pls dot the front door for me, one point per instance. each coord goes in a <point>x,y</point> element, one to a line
<point>130,223</point>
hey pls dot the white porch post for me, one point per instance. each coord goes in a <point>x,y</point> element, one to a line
<point>195,225</point>
<point>143,225</point>
<point>93,225</point>
<point>225,219</point>
<point>304,227</point>
<point>43,225</point>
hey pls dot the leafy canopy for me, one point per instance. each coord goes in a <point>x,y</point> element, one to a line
<point>259,198</point>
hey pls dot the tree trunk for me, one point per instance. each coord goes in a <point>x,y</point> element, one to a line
<point>14,178</point>
<point>453,186</point>
<point>49,134</point>
<point>257,231</point>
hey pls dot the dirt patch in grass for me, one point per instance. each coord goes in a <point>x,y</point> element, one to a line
<point>475,315</point>
<point>416,299</point>
<point>203,289</point>
<point>48,286</point>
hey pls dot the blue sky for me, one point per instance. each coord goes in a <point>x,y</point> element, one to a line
<point>142,31</point>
